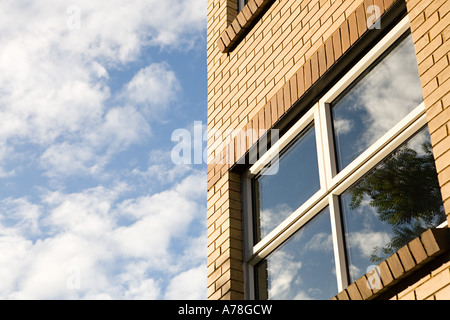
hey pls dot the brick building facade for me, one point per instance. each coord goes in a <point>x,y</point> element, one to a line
<point>282,71</point>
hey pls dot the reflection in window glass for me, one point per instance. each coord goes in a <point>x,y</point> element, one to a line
<point>391,205</point>
<point>381,97</point>
<point>303,267</point>
<point>297,179</point>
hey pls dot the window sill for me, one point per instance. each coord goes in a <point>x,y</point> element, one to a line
<point>243,22</point>
<point>420,251</point>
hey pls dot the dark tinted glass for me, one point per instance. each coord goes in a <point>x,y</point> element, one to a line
<point>278,195</point>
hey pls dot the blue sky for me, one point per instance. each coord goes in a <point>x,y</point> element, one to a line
<point>91,204</point>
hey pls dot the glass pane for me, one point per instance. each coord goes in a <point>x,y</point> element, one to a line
<point>303,267</point>
<point>241,4</point>
<point>391,205</point>
<point>381,97</point>
<point>296,180</point>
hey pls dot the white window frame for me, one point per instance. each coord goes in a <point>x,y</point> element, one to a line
<point>332,183</point>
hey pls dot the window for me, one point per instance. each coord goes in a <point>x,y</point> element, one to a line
<point>303,267</point>
<point>393,203</point>
<point>382,96</point>
<point>241,4</point>
<point>355,181</point>
<point>296,180</point>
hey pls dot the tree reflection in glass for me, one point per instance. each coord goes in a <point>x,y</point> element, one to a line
<point>392,204</point>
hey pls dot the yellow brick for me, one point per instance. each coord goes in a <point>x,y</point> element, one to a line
<point>433,285</point>
<point>439,134</point>
<point>410,295</point>
<point>439,120</point>
<point>443,294</point>
<point>443,161</point>
<point>445,190</point>
<point>441,147</point>
<point>215,296</point>
<point>443,267</point>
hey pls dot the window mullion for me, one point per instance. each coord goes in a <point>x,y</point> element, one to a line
<point>320,148</point>
<point>329,159</point>
<point>247,223</point>
<point>338,243</point>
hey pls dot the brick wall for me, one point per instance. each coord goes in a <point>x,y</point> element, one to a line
<point>418,270</point>
<point>286,51</point>
<point>430,26</point>
<point>225,274</point>
<point>244,81</point>
<point>435,285</point>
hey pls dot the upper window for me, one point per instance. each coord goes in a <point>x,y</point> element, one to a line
<point>381,97</point>
<point>248,13</point>
<point>354,182</point>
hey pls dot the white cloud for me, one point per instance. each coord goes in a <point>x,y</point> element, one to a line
<point>159,219</point>
<point>89,151</point>
<point>320,242</point>
<point>366,241</point>
<point>85,214</point>
<point>66,158</point>
<point>58,109</point>
<point>46,273</point>
<point>186,285</point>
<point>343,126</point>
<point>153,86</point>
<point>271,217</point>
<point>14,260</point>
<point>143,290</point>
<point>120,127</point>
<point>284,276</point>
<point>113,246</point>
<point>161,171</point>
<point>389,92</point>
<point>21,214</point>
<point>54,81</point>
